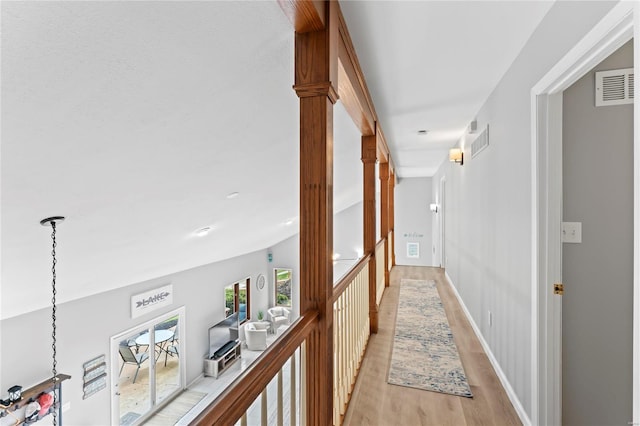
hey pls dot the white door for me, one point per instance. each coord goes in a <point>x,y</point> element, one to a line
<point>146,367</point>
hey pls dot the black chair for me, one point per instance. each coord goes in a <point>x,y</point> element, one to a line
<point>130,358</point>
<point>172,349</point>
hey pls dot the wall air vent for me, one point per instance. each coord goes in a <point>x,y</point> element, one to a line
<point>614,87</point>
<point>480,143</point>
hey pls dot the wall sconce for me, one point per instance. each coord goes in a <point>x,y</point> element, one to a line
<point>433,207</point>
<point>456,155</point>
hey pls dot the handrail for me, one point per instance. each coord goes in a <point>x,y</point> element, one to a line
<point>229,406</point>
<point>346,280</point>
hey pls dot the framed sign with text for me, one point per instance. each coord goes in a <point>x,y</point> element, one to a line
<point>151,300</point>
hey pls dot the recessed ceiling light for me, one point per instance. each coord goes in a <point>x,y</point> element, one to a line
<point>203,231</point>
<point>336,256</point>
<point>289,222</point>
<point>233,195</point>
<point>422,132</point>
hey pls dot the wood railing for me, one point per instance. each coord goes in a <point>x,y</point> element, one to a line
<point>234,402</point>
<point>380,270</point>
<point>269,407</point>
<point>350,333</point>
<point>247,399</point>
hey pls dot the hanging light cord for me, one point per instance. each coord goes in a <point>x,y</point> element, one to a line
<point>54,370</point>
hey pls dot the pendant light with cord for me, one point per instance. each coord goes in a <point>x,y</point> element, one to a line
<point>52,222</point>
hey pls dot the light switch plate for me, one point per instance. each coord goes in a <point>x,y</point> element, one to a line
<point>572,232</point>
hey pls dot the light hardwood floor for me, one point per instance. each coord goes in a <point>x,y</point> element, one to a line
<point>375,402</point>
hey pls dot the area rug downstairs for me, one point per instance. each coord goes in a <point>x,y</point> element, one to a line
<point>424,353</point>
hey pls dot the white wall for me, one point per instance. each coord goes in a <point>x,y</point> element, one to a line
<point>84,328</point>
<point>86,325</point>
<point>488,200</point>
<point>347,239</point>
<point>347,231</point>
<point>413,220</point>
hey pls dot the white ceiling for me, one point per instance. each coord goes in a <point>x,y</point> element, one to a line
<point>136,119</point>
<point>431,65</point>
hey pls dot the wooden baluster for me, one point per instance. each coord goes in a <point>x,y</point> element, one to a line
<point>303,384</point>
<point>280,399</point>
<point>337,370</point>
<point>292,390</point>
<point>264,419</point>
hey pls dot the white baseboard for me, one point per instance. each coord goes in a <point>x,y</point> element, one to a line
<point>195,381</point>
<point>524,418</point>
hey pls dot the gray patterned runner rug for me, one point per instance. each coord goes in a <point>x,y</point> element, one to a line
<point>424,354</point>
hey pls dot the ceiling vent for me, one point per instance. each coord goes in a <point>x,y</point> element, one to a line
<point>614,87</point>
<point>480,143</point>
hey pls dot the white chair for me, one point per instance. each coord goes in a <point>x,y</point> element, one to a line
<point>256,338</point>
<point>241,336</point>
<point>278,316</point>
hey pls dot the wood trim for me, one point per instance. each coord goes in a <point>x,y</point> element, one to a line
<point>368,155</point>
<point>352,95</point>
<point>317,89</point>
<point>345,76</point>
<point>384,198</point>
<point>383,148</point>
<point>392,212</point>
<point>350,276</point>
<point>354,92</point>
<point>347,55</point>
<point>369,221</point>
<point>304,15</point>
<point>381,241</point>
<point>316,59</point>
<point>384,215</point>
<point>235,400</point>
<point>352,86</point>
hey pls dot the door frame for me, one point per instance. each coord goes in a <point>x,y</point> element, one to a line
<point>274,293</point>
<point>115,362</point>
<point>614,30</point>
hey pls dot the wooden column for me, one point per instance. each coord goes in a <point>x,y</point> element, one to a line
<point>384,216</point>
<point>315,80</point>
<point>392,216</point>
<point>369,221</point>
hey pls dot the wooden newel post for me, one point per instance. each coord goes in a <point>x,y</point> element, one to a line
<point>384,215</point>
<point>315,84</point>
<point>369,222</point>
<point>392,217</point>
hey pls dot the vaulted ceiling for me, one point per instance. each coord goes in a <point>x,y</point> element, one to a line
<point>137,120</point>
